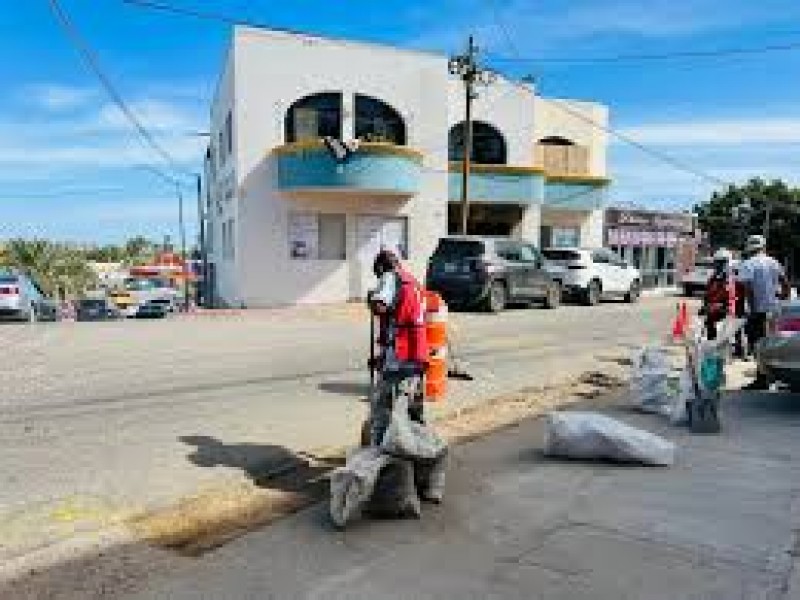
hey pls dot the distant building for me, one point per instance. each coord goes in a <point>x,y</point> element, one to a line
<point>662,245</point>
<point>288,223</point>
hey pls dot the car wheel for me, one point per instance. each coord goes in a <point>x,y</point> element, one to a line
<point>688,291</point>
<point>553,298</point>
<point>592,294</point>
<point>632,297</point>
<point>498,297</point>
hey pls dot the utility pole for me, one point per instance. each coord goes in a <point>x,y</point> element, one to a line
<point>182,231</point>
<point>467,68</point>
<point>201,221</point>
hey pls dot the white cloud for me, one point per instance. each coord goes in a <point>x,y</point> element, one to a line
<point>97,136</point>
<point>153,114</point>
<point>544,27</point>
<point>772,130</point>
<point>55,97</point>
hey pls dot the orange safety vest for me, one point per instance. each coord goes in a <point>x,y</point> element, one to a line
<point>408,316</point>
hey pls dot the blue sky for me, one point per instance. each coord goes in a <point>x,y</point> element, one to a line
<point>68,159</point>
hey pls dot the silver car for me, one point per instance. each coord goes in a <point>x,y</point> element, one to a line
<point>22,299</point>
<point>778,354</point>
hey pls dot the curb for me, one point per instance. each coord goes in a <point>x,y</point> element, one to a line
<point>170,528</point>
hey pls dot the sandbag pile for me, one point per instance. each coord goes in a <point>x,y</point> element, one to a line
<point>392,480</point>
<point>649,383</point>
<point>592,436</point>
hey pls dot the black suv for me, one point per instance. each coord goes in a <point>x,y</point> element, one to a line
<point>491,273</point>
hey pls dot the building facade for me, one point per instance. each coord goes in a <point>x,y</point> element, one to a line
<point>662,245</point>
<point>288,223</point>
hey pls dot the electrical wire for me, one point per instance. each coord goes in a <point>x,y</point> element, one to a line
<point>211,16</point>
<point>92,62</point>
<point>564,107</point>
<point>678,55</point>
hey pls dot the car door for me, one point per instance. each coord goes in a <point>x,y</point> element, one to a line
<point>516,275</point>
<point>44,306</point>
<point>538,281</point>
<point>602,270</point>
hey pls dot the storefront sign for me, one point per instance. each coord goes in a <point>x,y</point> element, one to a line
<point>639,237</point>
<point>646,220</point>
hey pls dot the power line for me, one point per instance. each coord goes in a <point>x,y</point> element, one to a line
<point>211,16</point>
<point>91,60</point>
<point>658,154</point>
<point>681,54</point>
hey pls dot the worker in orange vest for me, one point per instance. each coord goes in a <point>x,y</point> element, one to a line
<point>397,303</point>
<point>722,290</point>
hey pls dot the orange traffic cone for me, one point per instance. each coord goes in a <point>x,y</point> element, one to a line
<point>678,326</point>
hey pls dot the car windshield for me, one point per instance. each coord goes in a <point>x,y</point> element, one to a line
<point>8,279</point>
<point>92,303</point>
<point>554,254</point>
<point>459,249</point>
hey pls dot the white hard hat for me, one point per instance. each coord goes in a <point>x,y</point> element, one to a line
<point>723,254</point>
<point>756,243</point>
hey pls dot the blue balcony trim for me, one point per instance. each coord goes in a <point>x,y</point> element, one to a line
<point>374,168</point>
<point>499,184</point>
<point>576,195</point>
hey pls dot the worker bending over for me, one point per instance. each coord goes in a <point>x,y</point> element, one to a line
<point>397,303</point>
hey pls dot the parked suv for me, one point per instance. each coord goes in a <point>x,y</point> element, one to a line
<point>21,298</point>
<point>491,273</point>
<point>593,274</point>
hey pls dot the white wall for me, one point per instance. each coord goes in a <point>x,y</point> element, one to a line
<point>266,72</point>
<point>272,72</point>
<point>223,186</point>
<point>505,105</point>
<point>557,117</point>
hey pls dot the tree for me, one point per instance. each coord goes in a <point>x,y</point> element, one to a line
<point>725,228</point>
<point>61,269</point>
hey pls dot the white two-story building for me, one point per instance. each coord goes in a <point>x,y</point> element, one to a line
<point>289,223</point>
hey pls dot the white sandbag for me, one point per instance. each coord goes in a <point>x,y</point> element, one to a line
<point>408,439</point>
<point>430,478</point>
<point>395,494</point>
<point>353,484</point>
<point>679,414</point>
<point>649,381</point>
<point>587,436</point>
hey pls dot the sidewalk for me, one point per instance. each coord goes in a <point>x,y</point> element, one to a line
<point>721,524</point>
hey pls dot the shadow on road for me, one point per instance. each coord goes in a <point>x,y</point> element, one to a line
<point>267,465</point>
<point>345,388</point>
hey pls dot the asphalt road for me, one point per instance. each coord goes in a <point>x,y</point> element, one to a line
<point>97,419</point>
<point>723,523</point>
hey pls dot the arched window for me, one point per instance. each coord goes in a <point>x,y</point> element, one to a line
<point>556,140</point>
<point>314,117</point>
<point>488,144</point>
<point>376,121</point>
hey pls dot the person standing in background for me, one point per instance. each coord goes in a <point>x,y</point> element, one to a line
<point>766,285</point>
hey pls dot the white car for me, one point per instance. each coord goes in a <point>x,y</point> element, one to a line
<point>591,274</point>
<point>696,280</point>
